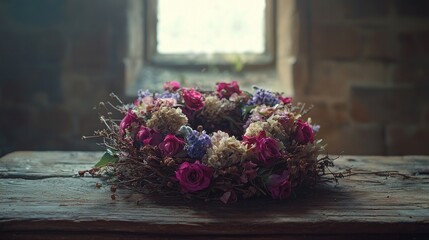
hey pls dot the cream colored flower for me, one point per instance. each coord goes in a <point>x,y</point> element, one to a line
<point>217,136</point>
<point>215,108</point>
<point>167,120</point>
<point>226,152</point>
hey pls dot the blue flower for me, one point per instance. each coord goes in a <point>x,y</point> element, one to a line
<point>197,144</point>
<point>167,94</point>
<point>143,94</point>
<point>263,96</point>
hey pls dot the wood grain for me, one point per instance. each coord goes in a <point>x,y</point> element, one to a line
<point>42,198</point>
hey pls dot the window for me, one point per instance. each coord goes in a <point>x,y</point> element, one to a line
<point>207,32</point>
<point>201,42</point>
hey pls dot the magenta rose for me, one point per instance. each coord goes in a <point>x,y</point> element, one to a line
<point>193,177</point>
<point>126,122</point>
<point>149,136</point>
<point>193,99</point>
<point>171,86</point>
<point>279,185</point>
<point>285,100</point>
<point>267,148</point>
<point>171,145</point>
<point>304,132</point>
<point>225,90</point>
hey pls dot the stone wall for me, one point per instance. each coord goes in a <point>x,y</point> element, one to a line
<point>362,63</point>
<point>58,59</point>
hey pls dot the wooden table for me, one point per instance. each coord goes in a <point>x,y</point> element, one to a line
<point>41,198</point>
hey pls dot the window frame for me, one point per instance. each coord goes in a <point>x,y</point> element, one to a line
<point>251,61</point>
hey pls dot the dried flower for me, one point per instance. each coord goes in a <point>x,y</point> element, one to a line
<point>225,90</point>
<point>225,152</point>
<point>285,100</point>
<point>193,99</point>
<point>149,136</point>
<point>215,108</point>
<point>279,185</point>
<point>167,120</point>
<point>126,122</point>
<point>304,132</point>
<point>171,145</point>
<point>167,94</point>
<point>265,147</point>
<point>197,144</point>
<point>249,172</point>
<point>171,86</point>
<point>142,94</point>
<point>193,177</point>
<point>217,136</point>
<point>263,96</point>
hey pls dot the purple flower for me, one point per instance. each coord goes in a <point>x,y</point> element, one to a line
<point>193,177</point>
<point>263,96</point>
<point>279,185</point>
<point>167,94</point>
<point>315,127</point>
<point>197,144</point>
<point>142,94</point>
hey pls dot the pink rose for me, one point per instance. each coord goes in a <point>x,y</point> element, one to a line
<point>304,132</point>
<point>279,185</point>
<point>171,145</point>
<point>149,136</point>
<point>126,122</point>
<point>171,86</point>
<point>225,90</point>
<point>267,149</point>
<point>193,99</point>
<point>193,177</point>
<point>285,100</point>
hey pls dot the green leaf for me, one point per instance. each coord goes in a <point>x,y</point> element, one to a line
<point>105,160</point>
<point>246,110</point>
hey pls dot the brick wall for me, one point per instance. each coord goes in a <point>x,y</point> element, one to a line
<point>362,63</point>
<point>58,59</point>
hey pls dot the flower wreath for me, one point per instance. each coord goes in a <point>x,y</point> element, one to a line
<point>225,144</point>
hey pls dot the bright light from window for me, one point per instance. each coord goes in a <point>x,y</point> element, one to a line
<point>211,26</point>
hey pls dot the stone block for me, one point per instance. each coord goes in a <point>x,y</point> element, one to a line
<point>407,139</point>
<point>385,105</point>
<point>335,42</point>
<point>379,44</point>
<point>415,8</point>
<point>350,139</point>
<point>414,45</point>
<point>411,74</point>
<point>330,115</point>
<point>349,9</point>
<point>55,120</point>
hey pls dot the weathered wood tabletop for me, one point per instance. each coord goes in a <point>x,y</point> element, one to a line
<point>41,198</point>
